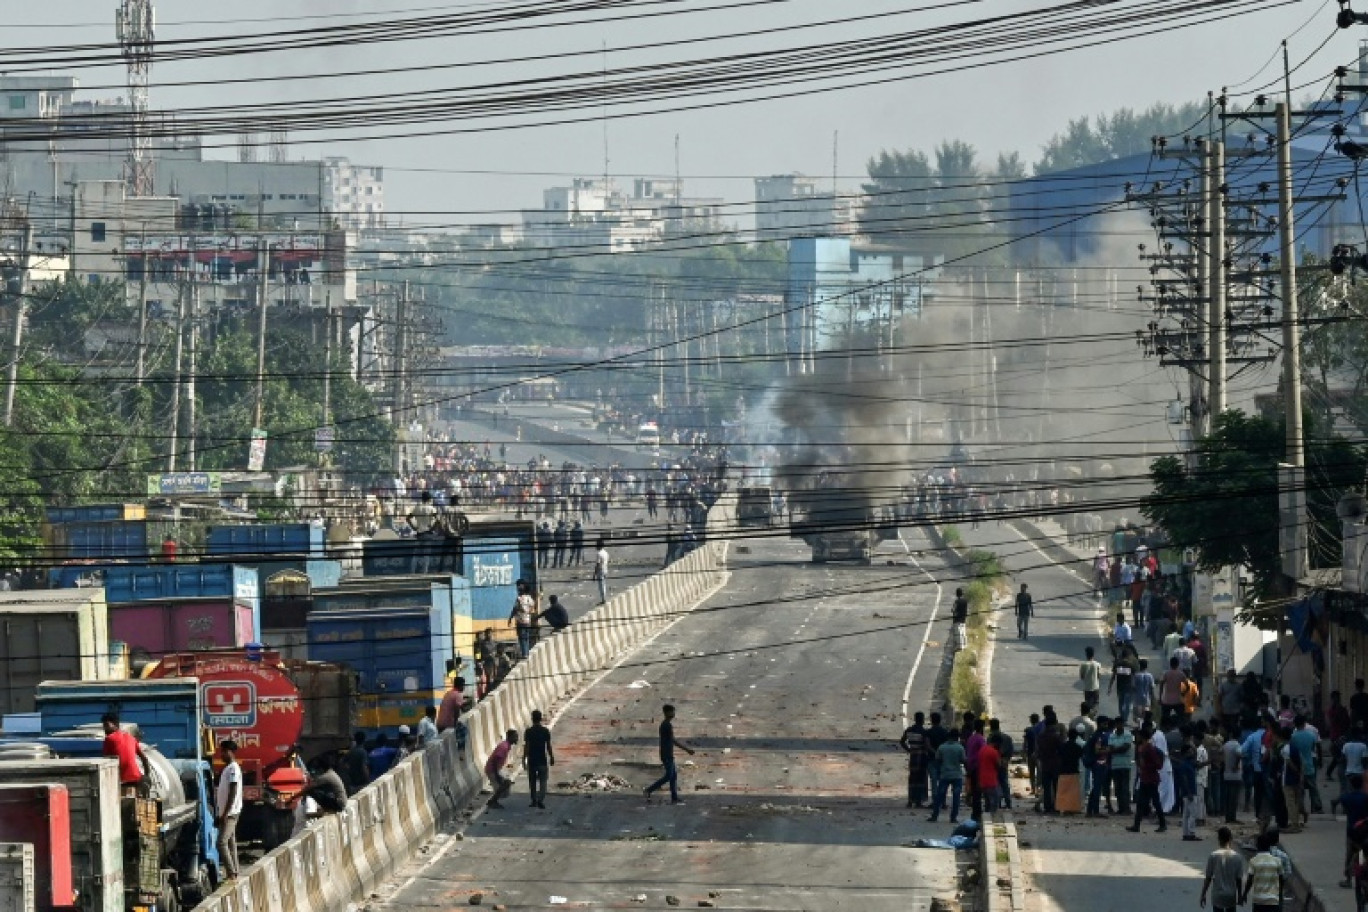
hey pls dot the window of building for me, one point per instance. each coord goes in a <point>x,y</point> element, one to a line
<point>18,102</point>
<point>97,232</point>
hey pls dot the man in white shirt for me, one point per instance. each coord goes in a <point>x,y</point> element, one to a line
<point>1121,633</point>
<point>601,569</point>
<point>228,807</point>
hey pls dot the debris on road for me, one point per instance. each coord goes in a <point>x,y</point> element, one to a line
<point>672,900</point>
<point>596,782</point>
<point>476,898</point>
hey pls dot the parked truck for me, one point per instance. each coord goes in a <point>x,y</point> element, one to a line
<point>755,506</point>
<point>282,714</point>
<point>52,635</point>
<point>156,851</point>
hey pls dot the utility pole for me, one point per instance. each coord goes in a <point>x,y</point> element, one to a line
<point>327,366</point>
<point>401,343</point>
<point>263,272</point>
<point>190,377</point>
<point>1291,332</point>
<point>1216,284</point>
<point>1292,533</point>
<point>141,370</point>
<point>176,387</point>
<point>20,307</point>
<point>1199,399</point>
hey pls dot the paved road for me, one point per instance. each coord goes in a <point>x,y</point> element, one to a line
<point>790,682</point>
<point>1075,863</point>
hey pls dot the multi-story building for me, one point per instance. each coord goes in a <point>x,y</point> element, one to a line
<point>159,247</point>
<point>50,141</point>
<point>836,287</point>
<point>790,206</point>
<point>354,194</point>
<point>591,214</point>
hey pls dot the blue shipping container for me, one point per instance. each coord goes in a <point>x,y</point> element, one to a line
<point>493,566</point>
<point>148,582</point>
<point>399,655</point>
<point>108,540</point>
<point>91,513</point>
<point>268,538</point>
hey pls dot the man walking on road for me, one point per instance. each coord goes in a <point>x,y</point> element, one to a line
<point>1024,611</point>
<point>537,759</point>
<point>1225,872</point>
<point>668,743</point>
<point>1090,673</point>
<point>601,570</point>
<point>959,612</point>
<point>1149,759</point>
<point>494,767</point>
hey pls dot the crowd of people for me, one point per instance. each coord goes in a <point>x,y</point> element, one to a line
<point>1178,745</point>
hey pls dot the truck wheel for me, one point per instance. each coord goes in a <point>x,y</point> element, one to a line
<point>169,900</point>
<point>192,893</point>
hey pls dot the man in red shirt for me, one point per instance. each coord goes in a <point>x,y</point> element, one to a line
<point>498,759</point>
<point>124,747</point>
<point>449,714</point>
<point>987,775</point>
<point>1148,761</point>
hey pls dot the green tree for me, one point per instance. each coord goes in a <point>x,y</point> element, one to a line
<point>1087,141</point>
<point>897,194</point>
<point>1226,509</point>
<point>292,405</point>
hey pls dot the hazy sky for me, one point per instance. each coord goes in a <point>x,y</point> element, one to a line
<point>1011,106</point>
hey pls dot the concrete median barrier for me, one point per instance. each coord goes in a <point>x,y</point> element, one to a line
<point>342,858</point>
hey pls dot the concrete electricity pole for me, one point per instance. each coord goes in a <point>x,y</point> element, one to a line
<point>1216,282</point>
<point>20,307</point>
<point>263,273</point>
<point>141,370</point>
<point>1292,532</point>
<point>177,386</point>
<point>1291,332</point>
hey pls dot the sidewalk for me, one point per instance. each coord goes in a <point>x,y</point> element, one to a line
<point>1317,852</point>
<point>1073,862</point>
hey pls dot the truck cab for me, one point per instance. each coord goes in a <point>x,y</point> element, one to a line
<point>166,714</point>
<point>755,506</point>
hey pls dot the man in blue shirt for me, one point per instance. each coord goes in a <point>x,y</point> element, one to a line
<point>1305,740</point>
<point>1355,804</point>
<point>382,756</point>
<point>1252,751</point>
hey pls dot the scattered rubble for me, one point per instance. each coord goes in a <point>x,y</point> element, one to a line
<point>596,782</point>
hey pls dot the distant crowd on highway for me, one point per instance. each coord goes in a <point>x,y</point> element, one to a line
<point>466,476</point>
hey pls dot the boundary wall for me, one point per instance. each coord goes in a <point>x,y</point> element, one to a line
<point>342,858</point>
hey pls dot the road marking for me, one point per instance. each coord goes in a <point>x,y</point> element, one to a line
<point>1100,611</point>
<point>921,651</point>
